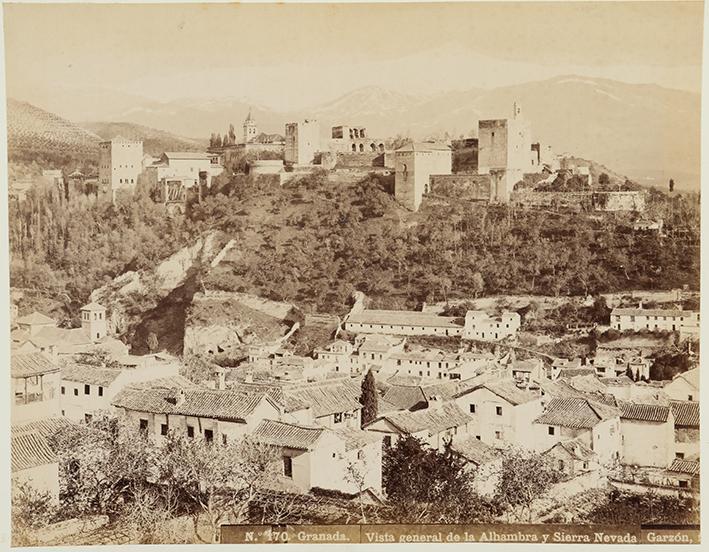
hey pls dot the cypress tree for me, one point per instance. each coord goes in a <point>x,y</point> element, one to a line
<point>368,399</point>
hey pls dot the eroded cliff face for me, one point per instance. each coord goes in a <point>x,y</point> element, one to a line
<point>155,301</point>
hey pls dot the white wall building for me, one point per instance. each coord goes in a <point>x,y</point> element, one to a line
<point>414,164</point>
<point>302,142</point>
<point>670,320</point>
<point>402,323</point>
<point>480,325</point>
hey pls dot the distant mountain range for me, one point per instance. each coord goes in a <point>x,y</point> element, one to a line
<point>648,132</point>
<point>154,141</point>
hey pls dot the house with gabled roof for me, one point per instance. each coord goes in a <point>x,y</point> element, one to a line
<point>437,425</point>
<point>86,390</point>
<point>311,456</point>
<point>684,386</point>
<point>35,387</point>
<point>647,434</point>
<point>502,411</point>
<point>595,424</point>
<point>214,415</point>
<point>573,457</point>
<point>686,430</point>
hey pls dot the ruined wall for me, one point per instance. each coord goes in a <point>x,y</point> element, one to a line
<point>619,201</point>
<point>360,160</point>
<point>575,201</point>
<point>471,187</point>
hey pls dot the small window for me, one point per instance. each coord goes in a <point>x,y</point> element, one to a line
<point>472,409</point>
<point>498,435</point>
<point>683,484</point>
<point>551,430</point>
<point>163,429</point>
<point>338,417</point>
<point>63,390</point>
<point>585,465</point>
<point>223,439</point>
<point>477,437</point>
<point>360,455</point>
<point>287,466</point>
<point>143,425</point>
<point>76,392</point>
<point>208,435</point>
<point>87,389</point>
<point>88,418</point>
<point>561,465</point>
<point>190,431</point>
<point>498,410</point>
<point>679,455</point>
<point>387,440</point>
<point>100,391</point>
<point>690,397</point>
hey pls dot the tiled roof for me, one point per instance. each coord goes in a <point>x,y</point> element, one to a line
<point>684,466</point>
<point>281,434</point>
<point>587,383</point>
<point>644,412</point>
<point>507,389</point>
<point>43,426</point>
<point>686,413</point>
<point>93,307</point>
<point>575,372</point>
<point>82,373</point>
<point>575,413</point>
<point>204,403</point>
<point>378,343</point>
<point>576,449</point>
<point>275,391</point>
<point>328,397</point>
<point>384,407</point>
<point>623,381</point>
<point>23,365</point>
<point>356,438</point>
<point>434,418</point>
<point>650,312</point>
<point>30,449</point>
<point>405,397</point>
<point>474,450</point>
<point>167,382</point>
<point>186,155</point>
<point>35,318</point>
<point>403,318</point>
<point>690,376</point>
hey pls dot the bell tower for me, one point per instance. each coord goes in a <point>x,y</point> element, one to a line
<point>250,130</point>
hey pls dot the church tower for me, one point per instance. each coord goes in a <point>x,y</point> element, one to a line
<point>250,130</point>
<point>93,320</point>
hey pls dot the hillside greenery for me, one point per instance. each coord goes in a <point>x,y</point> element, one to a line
<point>312,243</point>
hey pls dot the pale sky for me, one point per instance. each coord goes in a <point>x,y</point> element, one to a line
<point>293,56</point>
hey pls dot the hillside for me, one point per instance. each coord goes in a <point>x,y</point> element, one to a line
<point>35,132</point>
<point>155,141</point>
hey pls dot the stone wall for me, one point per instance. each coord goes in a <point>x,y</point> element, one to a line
<point>473,187</point>
<point>581,201</point>
<point>619,201</point>
<point>360,160</point>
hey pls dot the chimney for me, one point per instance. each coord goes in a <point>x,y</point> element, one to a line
<point>640,304</point>
<point>221,378</point>
<point>434,401</point>
<point>180,397</point>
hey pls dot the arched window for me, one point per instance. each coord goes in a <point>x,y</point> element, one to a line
<point>381,148</point>
<point>354,148</point>
<point>361,148</point>
<point>373,147</point>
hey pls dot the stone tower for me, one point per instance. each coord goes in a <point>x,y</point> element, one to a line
<point>250,130</point>
<point>93,320</point>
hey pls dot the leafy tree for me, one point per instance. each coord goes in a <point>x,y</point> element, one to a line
<point>368,399</point>
<point>31,511</point>
<point>426,486</point>
<point>524,477</point>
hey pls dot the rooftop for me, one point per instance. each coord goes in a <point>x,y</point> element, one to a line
<point>684,466</point>
<point>204,403</point>
<point>403,318</point>
<point>29,450</point>
<point>690,376</point>
<point>82,373</point>
<point>24,365</point>
<point>424,146</point>
<point>644,412</point>
<point>651,312</point>
<point>474,450</point>
<point>281,434</point>
<point>575,413</point>
<point>434,418</point>
<point>576,449</point>
<point>35,318</point>
<point>186,155</point>
<point>93,307</point>
<point>686,413</point>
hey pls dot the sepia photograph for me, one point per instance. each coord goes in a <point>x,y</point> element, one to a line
<point>362,273</point>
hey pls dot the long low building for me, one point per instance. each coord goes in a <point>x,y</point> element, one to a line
<point>685,322</point>
<point>403,323</point>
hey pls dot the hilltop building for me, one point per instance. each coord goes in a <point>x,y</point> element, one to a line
<point>120,162</point>
<point>302,142</point>
<point>415,163</point>
<point>685,322</point>
<point>188,166</point>
<point>250,129</point>
<point>349,139</point>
